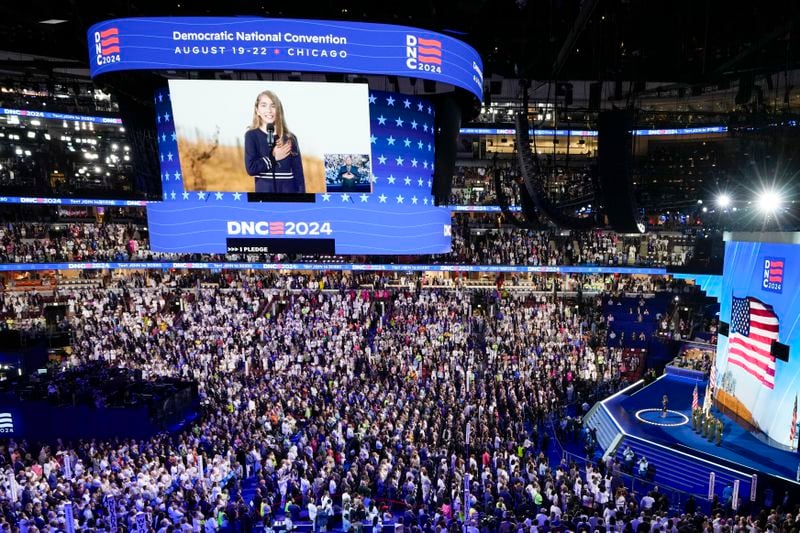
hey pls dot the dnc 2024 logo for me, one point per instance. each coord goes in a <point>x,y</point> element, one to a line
<point>6,423</point>
<point>772,274</point>
<point>423,54</point>
<point>106,46</point>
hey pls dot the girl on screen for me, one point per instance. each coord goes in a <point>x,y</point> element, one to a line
<point>271,152</point>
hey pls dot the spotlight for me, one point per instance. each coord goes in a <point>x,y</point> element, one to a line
<point>723,200</point>
<point>769,201</point>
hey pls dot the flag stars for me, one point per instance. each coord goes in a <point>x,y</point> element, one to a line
<point>414,124</point>
<point>390,101</point>
<point>399,198</point>
<point>407,181</point>
<point>177,176</point>
<point>173,194</point>
<point>420,106</point>
<point>166,117</point>
<point>345,197</point>
<point>373,139</point>
<point>382,120</point>
<point>414,162</point>
<point>185,195</point>
<point>391,179</point>
<point>372,98</point>
<point>430,110</point>
<point>364,198</point>
<point>420,182</point>
<point>163,137</point>
<point>414,200</point>
<point>170,155</point>
<point>425,164</point>
<point>425,201</point>
<point>420,145</point>
<point>174,137</point>
<point>382,198</point>
<point>381,159</point>
<point>237,196</point>
<point>407,142</point>
<point>326,197</point>
<point>406,103</point>
<point>399,122</point>
<point>425,128</point>
<point>201,196</point>
<point>218,195</point>
<point>390,140</point>
<point>399,161</point>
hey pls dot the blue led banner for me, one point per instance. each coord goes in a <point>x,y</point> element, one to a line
<point>155,265</point>
<point>593,133</point>
<point>59,116</point>
<point>71,201</point>
<point>244,43</point>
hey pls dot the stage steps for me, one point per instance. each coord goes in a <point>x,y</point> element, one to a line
<point>682,471</point>
<point>599,419</point>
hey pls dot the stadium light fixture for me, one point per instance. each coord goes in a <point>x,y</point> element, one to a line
<point>768,201</point>
<point>724,200</point>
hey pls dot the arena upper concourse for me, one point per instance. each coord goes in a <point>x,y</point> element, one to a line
<point>494,267</point>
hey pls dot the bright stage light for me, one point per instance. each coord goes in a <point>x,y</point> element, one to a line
<point>769,201</point>
<point>724,200</point>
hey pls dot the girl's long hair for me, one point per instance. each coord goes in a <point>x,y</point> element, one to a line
<point>281,131</point>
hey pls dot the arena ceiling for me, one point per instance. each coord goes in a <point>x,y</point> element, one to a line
<point>685,41</point>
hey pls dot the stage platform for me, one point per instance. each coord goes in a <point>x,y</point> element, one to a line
<point>682,458</point>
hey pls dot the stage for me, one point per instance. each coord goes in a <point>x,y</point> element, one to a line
<point>638,415</point>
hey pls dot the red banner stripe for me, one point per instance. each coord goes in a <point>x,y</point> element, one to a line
<point>430,51</point>
<point>765,369</point>
<point>111,50</point>
<point>110,40</point>
<point>109,32</point>
<point>747,369</point>
<point>429,42</point>
<point>429,59</point>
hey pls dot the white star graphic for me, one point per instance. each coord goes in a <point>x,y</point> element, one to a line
<point>413,162</point>
<point>406,103</point>
<point>166,117</point>
<point>237,196</point>
<point>420,145</point>
<point>166,176</point>
<point>381,159</point>
<point>162,158</point>
<point>345,197</point>
<point>373,178</point>
<point>364,198</point>
<point>429,147</point>
<point>382,198</point>
<point>425,127</point>
<point>169,156</point>
<point>172,195</point>
<point>414,200</point>
<point>201,196</point>
<point>372,99</point>
<point>429,183</point>
<point>420,182</point>
<point>174,136</point>
<point>185,195</point>
<point>373,139</point>
<point>326,197</point>
<point>425,201</point>
<point>158,119</point>
<point>400,199</point>
<point>419,106</point>
<point>425,164</point>
<point>390,179</point>
<point>165,195</point>
<point>413,124</point>
<point>160,97</point>
<point>218,195</point>
<point>381,120</point>
<point>407,142</point>
<point>390,100</point>
<point>399,161</point>
<point>399,122</point>
<point>163,137</point>
<point>177,176</point>
<point>407,181</point>
<point>430,110</point>
<point>390,140</point>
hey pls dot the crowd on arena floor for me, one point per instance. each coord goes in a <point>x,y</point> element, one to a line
<point>342,400</point>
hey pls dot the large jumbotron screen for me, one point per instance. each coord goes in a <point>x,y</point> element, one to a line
<point>366,160</point>
<point>761,303</point>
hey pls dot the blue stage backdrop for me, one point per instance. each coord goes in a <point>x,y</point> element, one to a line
<point>761,303</point>
<point>397,217</point>
<point>247,43</point>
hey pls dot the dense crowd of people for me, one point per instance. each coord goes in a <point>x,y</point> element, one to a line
<point>40,242</point>
<point>337,397</point>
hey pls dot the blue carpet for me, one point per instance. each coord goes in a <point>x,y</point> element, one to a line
<point>739,447</point>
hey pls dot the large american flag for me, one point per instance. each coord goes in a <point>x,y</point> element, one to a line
<point>754,326</point>
<point>695,403</point>
<point>793,430</point>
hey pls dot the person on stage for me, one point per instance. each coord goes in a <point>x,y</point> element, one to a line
<point>664,405</point>
<point>271,152</point>
<point>348,175</point>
